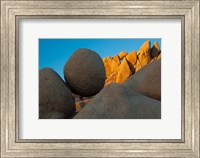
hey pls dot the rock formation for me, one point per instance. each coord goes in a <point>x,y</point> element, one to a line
<point>55,98</point>
<point>144,53</point>
<point>84,72</point>
<point>131,81</point>
<point>155,50</point>
<point>122,54</point>
<point>116,67</point>
<point>116,102</point>
<point>147,81</point>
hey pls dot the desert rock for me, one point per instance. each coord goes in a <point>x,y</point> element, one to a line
<point>144,53</point>
<point>107,65</point>
<point>132,60</point>
<point>116,102</point>
<point>55,98</point>
<point>155,50</point>
<point>122,54</point>
<point>147,81</point>
<point>84,72</point>
<point>123,72</point>
<point>115,63</point>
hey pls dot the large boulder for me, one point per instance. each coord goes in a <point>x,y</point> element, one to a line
<point>84,72</point>
<point>116,102</point>
<point>144,53</point>
<point>147,81</point>
<point>55,98</point>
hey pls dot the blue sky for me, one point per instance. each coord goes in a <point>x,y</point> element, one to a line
<point>54,53</point>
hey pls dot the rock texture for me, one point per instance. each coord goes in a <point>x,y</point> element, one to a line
<point>116,102</point>
<point>144,53</point>
<point>85,73</point>
<point>55,98</point>
<point>147,81</point>
<point>117,69</point>
<point>122,54</point>
<point>123,72</point>
<point>155,50</point>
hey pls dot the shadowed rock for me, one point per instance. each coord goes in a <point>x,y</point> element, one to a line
<point>55,98</point>
<point>155,50</point>
<point>116,102</point>
<point>85,73</point>
<point>132,60</point>
<point>147,81</point>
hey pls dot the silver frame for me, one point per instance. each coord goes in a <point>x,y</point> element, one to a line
<point>13,11</point>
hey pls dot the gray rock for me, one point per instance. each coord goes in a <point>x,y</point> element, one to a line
<point>55,98</point>
<point>115,101</point>
<point>147,81</point>
<point>85,73</point>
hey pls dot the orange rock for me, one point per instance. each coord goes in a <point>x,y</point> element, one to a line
<point>155,50</point>
<point>122,54</point>
<point>132,59</point>
<point>137,66</point>
<point>144,53</point>
<point>107,65</point>
<point>123,72</point>
<point>115,62</point>
<point>111,78</point>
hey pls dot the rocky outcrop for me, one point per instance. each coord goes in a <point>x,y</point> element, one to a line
<point>122,54</point>
<point>117,69</point>
<point>123,72</point>
<point>132,60</point>
<point>155,50</point>
<point>131,81</point>
<point>84,72</point>
<point>107,65</point>
<point>115,62</point>
<point>55,98</point>
<point>144,53</point>
<point>116,102</point>
<point>147,81</point>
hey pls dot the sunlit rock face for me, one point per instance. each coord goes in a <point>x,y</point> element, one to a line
<point>55,98</point>
<point>122,54</point>
<point>84,72</point>
<point>120,67</point>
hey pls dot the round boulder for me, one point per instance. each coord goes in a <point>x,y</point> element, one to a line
<point>85,72</point>
<point>55,98</point>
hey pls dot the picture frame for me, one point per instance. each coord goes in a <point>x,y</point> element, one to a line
<point>187,11</point>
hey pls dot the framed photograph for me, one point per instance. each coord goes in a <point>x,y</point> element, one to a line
<point>100,78</point>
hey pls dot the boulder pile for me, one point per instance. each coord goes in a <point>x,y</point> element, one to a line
<point>125,86</point>
<point>120,67</point>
